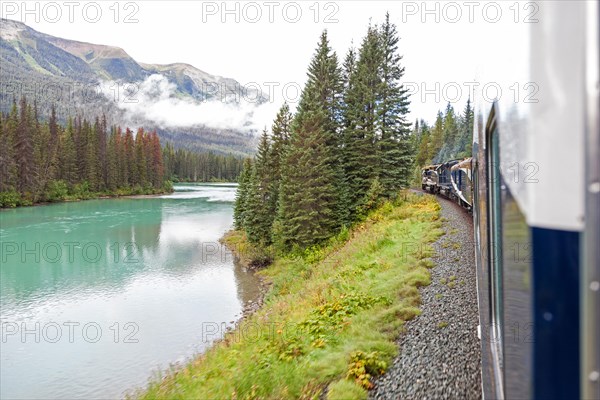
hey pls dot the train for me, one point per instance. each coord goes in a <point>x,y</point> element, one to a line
<point>532,185</point>
<point>452,179</point>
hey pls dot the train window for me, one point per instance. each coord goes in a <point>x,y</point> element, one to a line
<point>495,237</point>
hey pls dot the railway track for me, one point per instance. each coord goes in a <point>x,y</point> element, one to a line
<point>440,350</point>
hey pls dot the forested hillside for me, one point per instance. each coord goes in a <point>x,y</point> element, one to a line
<point>93,80</point>
<point>44,161</point>
<point>188,166</point>
<point>347,147</point>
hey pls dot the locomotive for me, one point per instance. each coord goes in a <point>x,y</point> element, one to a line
<point>533,188</point>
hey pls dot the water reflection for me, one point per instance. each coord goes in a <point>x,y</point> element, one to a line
<point>153,262</point>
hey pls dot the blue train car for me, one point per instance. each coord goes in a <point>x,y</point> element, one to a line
<point>536,178</point>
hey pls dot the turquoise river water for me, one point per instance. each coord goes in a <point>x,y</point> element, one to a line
<point>97,297</point>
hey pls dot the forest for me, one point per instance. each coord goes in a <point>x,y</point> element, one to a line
<point>42,161</point>
<point>347,147</point>
<point>449,138</point>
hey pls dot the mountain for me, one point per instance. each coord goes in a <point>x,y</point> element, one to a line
<point>91,79</point>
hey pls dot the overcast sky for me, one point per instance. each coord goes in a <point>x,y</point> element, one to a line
<point>271,41</point>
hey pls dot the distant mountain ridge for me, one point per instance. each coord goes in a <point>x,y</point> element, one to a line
<point>62,71</point>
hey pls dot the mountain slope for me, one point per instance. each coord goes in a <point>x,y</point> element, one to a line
<point>81,78</point>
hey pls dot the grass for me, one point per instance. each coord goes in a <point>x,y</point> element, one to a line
<point>329,320</point>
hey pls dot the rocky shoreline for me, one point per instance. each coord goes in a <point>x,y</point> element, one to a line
<point>251,306</point>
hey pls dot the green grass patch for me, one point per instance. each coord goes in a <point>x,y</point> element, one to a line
<point>330,318</point>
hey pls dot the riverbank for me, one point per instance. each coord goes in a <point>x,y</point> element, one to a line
<point>10,200</point>
<point>330,318</point>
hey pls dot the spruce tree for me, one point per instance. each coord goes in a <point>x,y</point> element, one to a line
<point>465,143</point>
<point>129,159</point>
<point>8,129</point>
<point>306,212</point>
<point>24,150</point>
<point>68,154</point>
<point>281,131</point>
<point>437,138</point>
<point>157,162</point>
<point>259,213</point>
<point>241,197</point>
<point>309,200</point>
<point>450,134</point>
<point>360,157</point>
<point>112,162</point>
<point>395,147</point>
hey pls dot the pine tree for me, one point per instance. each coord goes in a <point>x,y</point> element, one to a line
<point>157,162</point>
<point>102,150</point>
<point>360,156</point>
<point>310,215</point>
<point>53,147</point>
<point>112,151</point>
<point>92,171</point>
<point>68,155</point>
<point>306,212</point>
<point>8,129</point>
<point>129,159</point>
<point>281,132</point>
<point>437,138</point>
<point>24,150</point>
<point>450,133</point>
<point>422,157</point>
<point>259,207</point>
<point>239,208</point>
<point>395,148</point>
<point>465,143</point>
<point>141,177</point>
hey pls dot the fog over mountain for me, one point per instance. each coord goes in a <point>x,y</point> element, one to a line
<point>188,106</point>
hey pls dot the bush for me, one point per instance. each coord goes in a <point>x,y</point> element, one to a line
<point>364,366</point>
<point>81,190</point>
<point>57,191</point>
<point>10,199</point>
<point>168,186</point>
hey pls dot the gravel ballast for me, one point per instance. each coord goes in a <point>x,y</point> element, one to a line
<point>439,351</point>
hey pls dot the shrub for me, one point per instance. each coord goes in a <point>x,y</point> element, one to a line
<point>57,191</point>
<point>363,366</point>
<point>10,199</point>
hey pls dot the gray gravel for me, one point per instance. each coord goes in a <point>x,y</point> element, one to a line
<point>438,361</point>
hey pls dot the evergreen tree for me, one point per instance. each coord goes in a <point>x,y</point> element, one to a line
<point>68,154</point>
<point>306,212</point>
<point>437,138</point>
<point>359,155</point>
<point>112,151</point>
<point>240,208</point>
<point>464,145</point>
<point>8,128</point>
<point>281,132</point>
<point>259,212</point>
<point>157,162</point>
<point>141,177</point>
<point>395,148</point>
<point>309,200</point>
<point>102,151</point>
<point>450,133</point>
<point>129,159</point>
<point>24,150</point>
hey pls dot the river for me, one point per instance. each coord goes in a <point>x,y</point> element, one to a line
<point>98,296</point>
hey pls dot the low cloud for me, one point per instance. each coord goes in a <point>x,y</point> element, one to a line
<point>156,100</point>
